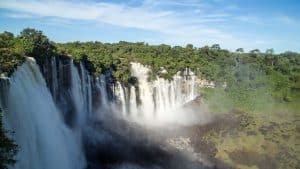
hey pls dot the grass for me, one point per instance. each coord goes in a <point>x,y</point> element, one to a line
<point>266,137</point>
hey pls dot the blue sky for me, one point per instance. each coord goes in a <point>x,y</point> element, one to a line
<point>249,24</point>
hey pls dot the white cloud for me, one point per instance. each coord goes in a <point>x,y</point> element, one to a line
<point>116,14</point>
<point>19,15</point>
<point>177,26</point>
<point>249,19</point>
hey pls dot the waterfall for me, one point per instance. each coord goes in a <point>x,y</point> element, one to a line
<point>77,94</point>
<point>86,88</point>
<point>159,98</point>
<point>120,93</point>
<point>155,99</point>
<point>133,104</point>
<point>147,106</point>
<point>29,110</point>
<point>71,87</point>
<point>101,86</point>
<point>54,86</point>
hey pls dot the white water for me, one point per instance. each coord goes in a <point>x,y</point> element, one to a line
<point>133,104</point>
<point>160,99</point>
<point>120,93</point>
<point>81,93</point>
<point>54,78</point>
<point>77,94</point>
<point>101,85</point>
<point>86,89</point>
<point>44,140</point>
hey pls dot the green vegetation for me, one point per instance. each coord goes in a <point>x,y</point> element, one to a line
<point>11,51</point>
<point>8,148</point>
<point>264,140</point>
<point>119,55</point>
<point>30,42</point>
<point>267,132</point>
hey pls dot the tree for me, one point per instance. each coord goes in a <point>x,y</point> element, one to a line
<point>8,148</point>
<point>5,39</point>
<point>215,47</point>
<point>23,46</point>
<point>240,50</point>
<point>189,46</point>
<point>41,46</point>
<point>255,51</point>
<point>270,51</point>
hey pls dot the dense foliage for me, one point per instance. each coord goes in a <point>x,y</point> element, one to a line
<point>30,42</point>
<point>8,148</point>
<point>11,51</point>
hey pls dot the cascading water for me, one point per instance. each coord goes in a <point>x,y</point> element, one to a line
<point>54,87</point>
<point>159,98</point>
<point>133,106</point>
<point>120,93</point>
<point>155,100</point>
<point>81,92</point>
<point>77,94</point>
<point>44,140</point>
<point>101,86</point>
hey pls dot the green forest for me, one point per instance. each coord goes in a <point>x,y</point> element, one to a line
<point>256,81</point>
<point>277,74</point>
